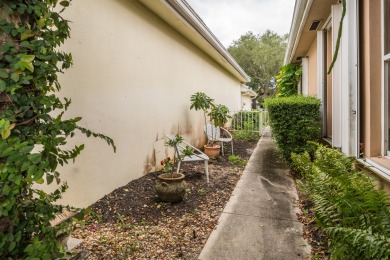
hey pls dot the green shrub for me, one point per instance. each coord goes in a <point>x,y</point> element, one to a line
<point>294,121</point>
<point>348,207</point>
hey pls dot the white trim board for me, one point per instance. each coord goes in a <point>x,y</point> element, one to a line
<point>336,80</point>
<point>305,76</point>
<point>377,168</point>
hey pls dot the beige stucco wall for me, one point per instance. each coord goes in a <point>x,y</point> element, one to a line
<point>312,54</point>
<point>132,79</point>
<point>371,67</point>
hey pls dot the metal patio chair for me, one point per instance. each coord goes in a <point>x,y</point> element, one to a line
<point>214,135</point>
<point>196,157</point>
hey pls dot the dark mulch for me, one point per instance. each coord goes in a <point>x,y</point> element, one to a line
<point>131,223</point>
<point>311,231</point>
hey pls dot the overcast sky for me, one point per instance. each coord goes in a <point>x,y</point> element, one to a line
<point>229,19</point>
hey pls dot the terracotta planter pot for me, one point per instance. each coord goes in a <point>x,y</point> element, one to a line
<point>212,151</point>
<point>171,188</point>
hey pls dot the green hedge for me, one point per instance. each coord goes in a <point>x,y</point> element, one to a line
<point>354,214</point>
<point>294,121</point>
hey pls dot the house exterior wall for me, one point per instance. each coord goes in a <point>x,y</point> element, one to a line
<point>337,89</point>
<point>371,112</point>
<point>305,77</point>
<point>246,103</point>
<point>132,79</point>
<point>356,92</point>
<point>313,78</point>
<point>329,84</point>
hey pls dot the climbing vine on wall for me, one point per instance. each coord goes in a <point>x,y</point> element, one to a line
<point>287,80</point>
<point>32,126</point>
<point>339,34</point>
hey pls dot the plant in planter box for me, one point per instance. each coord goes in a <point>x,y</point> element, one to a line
<point>171,186</point>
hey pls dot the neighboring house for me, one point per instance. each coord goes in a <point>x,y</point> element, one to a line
<point>355,95</point>
<point>136,65</point>
<point>247,96</point>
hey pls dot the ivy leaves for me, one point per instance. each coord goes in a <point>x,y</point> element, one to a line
<point>26,62</point>
<point>64,3</point>
<point>287,80</point>
<point>5,128</point>
<point>33,130</point>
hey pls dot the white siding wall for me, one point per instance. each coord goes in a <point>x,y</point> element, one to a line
<point>336,80</point>
<point>321,76</point>
<point>349,80</point>
<point>344,80</point>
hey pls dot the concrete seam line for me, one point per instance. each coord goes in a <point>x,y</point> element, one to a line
<point>255,216</point>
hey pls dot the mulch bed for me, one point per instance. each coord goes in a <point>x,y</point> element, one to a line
<point>131,223</point>
<point>311,232</point>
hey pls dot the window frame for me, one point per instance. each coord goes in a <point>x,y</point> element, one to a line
<point>385,76</point>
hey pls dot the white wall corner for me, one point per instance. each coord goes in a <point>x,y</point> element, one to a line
<point>349,81</point>
<point>305,76</point>
<point>337,98</point>
<point>321,75</point>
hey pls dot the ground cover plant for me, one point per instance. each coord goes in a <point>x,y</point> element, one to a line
<point>349,209</point>
<point>294,120</point>
<point>131,223</point>
<point>33,127</point>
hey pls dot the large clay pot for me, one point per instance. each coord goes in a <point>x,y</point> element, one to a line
<point>212,151</point>
<point>171,188</point>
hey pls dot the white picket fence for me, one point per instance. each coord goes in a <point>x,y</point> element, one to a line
<point>254,121</point>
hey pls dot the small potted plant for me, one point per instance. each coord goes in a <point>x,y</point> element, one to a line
<point>171,186</point>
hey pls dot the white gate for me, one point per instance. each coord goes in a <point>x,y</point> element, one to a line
<point>252,121</point>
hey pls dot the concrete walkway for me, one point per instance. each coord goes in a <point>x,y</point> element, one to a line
<point>259,221</point>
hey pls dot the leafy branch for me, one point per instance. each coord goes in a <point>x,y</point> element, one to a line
<point>33,131</point>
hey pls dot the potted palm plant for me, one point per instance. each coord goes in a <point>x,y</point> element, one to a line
<point>171,186</point>
<point>219,115</point>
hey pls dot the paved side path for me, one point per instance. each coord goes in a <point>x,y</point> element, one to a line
<point>259,221</point>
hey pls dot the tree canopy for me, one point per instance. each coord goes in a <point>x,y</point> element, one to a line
<point>261,56</point>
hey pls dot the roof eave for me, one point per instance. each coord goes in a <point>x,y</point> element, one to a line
<point>301,11</point>
<point>246,91</point>
<point>196,31</point>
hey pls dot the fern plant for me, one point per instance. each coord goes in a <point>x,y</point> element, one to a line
<point>348,207</point>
